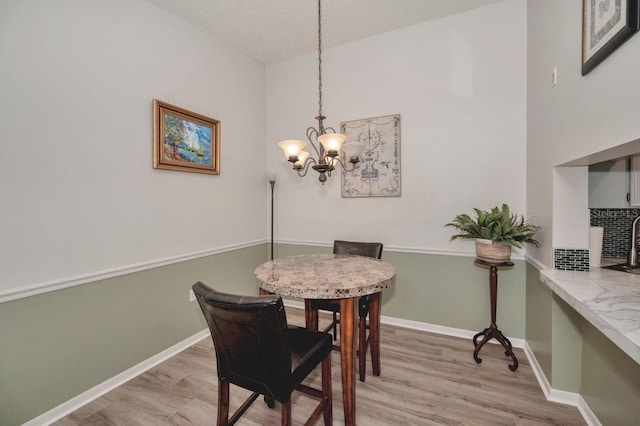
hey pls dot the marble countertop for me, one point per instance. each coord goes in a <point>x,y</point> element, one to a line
<point>610,300</point>
<point>325,276</point>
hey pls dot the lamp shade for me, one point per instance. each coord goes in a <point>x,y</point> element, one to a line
<point>353,150</point>
<point>302,157</point>
<point>332,141</point>
<point>292,147</point>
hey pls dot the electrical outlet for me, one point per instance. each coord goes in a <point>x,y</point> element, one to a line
<point>192,296</point>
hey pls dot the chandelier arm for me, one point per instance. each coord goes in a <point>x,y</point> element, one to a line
<point>331,128</point>
<point>311,131</point>
<point>302,172</point>
<point>345,166</point>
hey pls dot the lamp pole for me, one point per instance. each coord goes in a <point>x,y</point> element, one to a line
<point>271,177</point>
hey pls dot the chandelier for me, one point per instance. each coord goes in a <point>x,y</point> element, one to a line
<point>328,143</point>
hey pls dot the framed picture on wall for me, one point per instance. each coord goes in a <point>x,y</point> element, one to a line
<point>606,25</point>
<point>184,140</point>
<point>378,174</point>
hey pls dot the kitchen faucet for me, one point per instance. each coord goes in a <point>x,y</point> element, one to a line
<point>632,257</point>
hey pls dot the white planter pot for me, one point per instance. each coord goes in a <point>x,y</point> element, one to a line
<point>486,249</point>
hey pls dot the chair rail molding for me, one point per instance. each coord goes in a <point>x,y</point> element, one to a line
<point>62,283</point>
<point>401,249</point>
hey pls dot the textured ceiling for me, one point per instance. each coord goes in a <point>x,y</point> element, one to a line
<point>271,30</point>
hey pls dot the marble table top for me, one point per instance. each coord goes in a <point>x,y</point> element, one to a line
<point>325,276</point>
<point>610,300</point>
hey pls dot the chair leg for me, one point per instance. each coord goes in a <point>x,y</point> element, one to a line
<point>326,391</point>
<point>269,401</point>
<point>335,326</point>
<point>374,332</point>
<point>223,403</point>
<point>362,347</point>
<point>286,413</point>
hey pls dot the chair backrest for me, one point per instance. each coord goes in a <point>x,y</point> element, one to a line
<point>360,249</point>
<point>250,337</point>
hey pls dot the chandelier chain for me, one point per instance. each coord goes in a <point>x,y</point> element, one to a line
<point>328,158</point>
<point>319,60</point>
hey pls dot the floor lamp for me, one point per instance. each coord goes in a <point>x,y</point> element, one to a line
<point>271,177</point>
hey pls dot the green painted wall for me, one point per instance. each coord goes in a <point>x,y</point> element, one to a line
<point>567,346</point>
<point>446,290</point>
<point>576,357</point>
<point>60,344</point>
<point>539,320</point>
<point>610,379</point>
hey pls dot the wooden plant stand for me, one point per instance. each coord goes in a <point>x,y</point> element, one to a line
<point>492,332</point>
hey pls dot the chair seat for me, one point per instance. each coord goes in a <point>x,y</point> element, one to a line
<point>326,304</point>
<point>308,349</point>
<point>333,305</point>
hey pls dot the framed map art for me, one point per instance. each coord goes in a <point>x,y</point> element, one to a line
<point>378,174</point>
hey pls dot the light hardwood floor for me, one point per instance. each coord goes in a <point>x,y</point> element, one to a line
<point>427,379</point>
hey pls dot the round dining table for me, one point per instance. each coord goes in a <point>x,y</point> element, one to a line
<point>333,276</point>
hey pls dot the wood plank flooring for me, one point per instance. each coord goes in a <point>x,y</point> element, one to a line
<point>427,379</point>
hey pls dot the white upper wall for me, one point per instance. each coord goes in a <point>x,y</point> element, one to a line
<point>78,192</point>
<point>579,117</point>
<point>459,84</point>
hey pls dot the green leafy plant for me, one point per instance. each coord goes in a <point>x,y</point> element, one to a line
<point>498,225</point>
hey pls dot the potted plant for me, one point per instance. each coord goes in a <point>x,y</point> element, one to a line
<point>495,231</point>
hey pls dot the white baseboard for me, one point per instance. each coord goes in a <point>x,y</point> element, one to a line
<point>421,326</point>
<point>553,395</point>
<point>97,391</point>
<point>441,329</point>
<point>560,396</point>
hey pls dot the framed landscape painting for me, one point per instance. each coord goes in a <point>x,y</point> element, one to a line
<point>606,25</point>
<point>184,140</point>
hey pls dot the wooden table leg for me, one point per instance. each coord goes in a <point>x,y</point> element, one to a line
<point>310,316</point>
<point>347,356</point>
<point>374,331</point>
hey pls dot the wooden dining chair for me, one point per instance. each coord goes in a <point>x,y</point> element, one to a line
<point>257,350</point>
<point>364,303</point>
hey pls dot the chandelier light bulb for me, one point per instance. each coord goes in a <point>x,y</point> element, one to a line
<point>302,157</point>
<point>353,150</point>
<point>332,141</point>
<point>292,148</point>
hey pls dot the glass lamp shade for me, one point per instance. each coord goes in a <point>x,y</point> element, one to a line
<point>332,141</point>
<point>353,150</point>
<point>302,157</point>
<point>292,147</point>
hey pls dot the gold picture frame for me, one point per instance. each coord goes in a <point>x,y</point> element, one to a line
<point>184,140</point>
